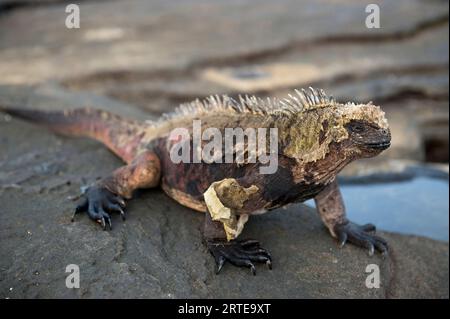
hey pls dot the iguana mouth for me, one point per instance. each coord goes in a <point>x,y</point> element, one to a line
<point>379,146</point>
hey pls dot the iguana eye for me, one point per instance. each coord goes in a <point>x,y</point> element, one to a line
<point>357,128</point>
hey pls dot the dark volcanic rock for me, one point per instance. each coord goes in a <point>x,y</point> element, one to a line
<point>158,252</point>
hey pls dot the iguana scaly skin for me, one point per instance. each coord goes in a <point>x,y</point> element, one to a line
<point>317,137</point>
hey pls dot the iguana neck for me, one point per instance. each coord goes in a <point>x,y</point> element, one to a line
<point>325,170</point>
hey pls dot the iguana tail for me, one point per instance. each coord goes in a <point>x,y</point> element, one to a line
<point>122,136</point>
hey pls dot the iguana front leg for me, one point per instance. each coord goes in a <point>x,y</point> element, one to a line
<point>108,194</point>
<point>330,206</point>
<point>224,221</point>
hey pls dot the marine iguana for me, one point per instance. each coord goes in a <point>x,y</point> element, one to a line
<point>317,137</point>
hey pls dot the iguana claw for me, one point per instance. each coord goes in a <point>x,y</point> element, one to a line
<point>98,203</point>
<point>241,253</point>
<point>360,235</point>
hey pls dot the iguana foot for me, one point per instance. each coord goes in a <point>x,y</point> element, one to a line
<point>98,203</point>
<point>241,253</point>
<point>360,235</point>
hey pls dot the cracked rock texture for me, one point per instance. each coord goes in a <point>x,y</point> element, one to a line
<point>140,58</point>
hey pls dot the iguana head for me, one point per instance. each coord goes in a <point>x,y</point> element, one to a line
<point>360,130</point>
<point>368,138</point>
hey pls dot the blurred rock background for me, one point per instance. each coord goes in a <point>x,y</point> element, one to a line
<point>141,58</point>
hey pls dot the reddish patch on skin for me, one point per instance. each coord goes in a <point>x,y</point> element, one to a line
<point>143,172</point>
<point>123,137</point>
<point>132,148</point>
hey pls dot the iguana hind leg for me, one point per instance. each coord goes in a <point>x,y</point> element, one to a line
<point>330,206</point>
<point>224,223</point>
<point>108,194</point>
